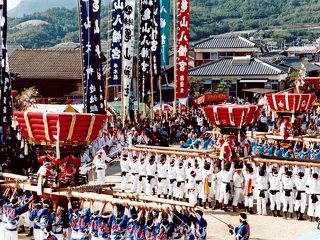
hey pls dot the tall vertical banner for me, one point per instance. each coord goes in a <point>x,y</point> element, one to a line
<point>164,31</point>
<point>116,43</point>
<point>146,16</point>
<point>91,53</point>
<point>127,53</point>
<point>5,100</point>
<point>155,44</point>
<point>182,48</point>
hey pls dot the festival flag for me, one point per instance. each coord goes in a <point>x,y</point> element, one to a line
<point>127,53</point>
<point>146,17</point>
<point>116,43</point>
<point>5,100</point>
<point>91,50</point>
<point>182,48</point>
<point>248,188</point>
<point>164,31</point>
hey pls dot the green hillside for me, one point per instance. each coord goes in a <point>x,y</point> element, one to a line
<point>287,20</point>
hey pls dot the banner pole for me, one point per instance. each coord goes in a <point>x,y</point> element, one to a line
<point>81,54</point>
<point>174,59</point>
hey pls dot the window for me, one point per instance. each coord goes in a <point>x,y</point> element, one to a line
<point>214,56</point>
<point>206,55</point>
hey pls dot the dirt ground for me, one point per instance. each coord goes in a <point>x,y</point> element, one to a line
<point>262,227</point>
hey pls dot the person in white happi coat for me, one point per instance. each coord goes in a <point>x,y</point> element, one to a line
<point>249,184</point>
<point>287,198</point>
<point>262,187</point>
<point>217,185</point>
<point>314,195</point>
<point>181,179</point>
<point>172,175</point>
<point>227,171</point>
<point>238,181</point>
<point>124,165</point>
<point>300,201</point>
<point>274,190</point>
<point>151,175</point>
<point>207,194</point>
<point>192,188</point>
<point>134,172</point>
<point>198,169</point>
<point>99,163</point>
<point>162,167</point>
<point>142,166</point>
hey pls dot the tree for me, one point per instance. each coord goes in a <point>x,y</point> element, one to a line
<point>223,86</point>
<point>26,99</point>
<point>196,86</point>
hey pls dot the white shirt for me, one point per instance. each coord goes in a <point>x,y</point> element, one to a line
<point>99,162</point>
<point>124,165</point>
<point>262,182</point>
<point>162,169</point>
<point>237,180</point>
<point>151,169</point>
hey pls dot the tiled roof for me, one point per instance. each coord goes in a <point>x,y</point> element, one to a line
<point>225,67</point>
<point>224,41</point>
<point>46,63</point>
<point>303,49</point>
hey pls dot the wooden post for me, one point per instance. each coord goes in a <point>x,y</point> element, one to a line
<point>160,94</point>
<point>106,93</point>
<point>151,88</point>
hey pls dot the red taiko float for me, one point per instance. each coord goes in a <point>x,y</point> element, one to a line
<point>290,102</point>
<point>232,115</point>
<point>65,128</point>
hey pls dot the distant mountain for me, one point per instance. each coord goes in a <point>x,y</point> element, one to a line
<point>26,7</point>
<point>288,20</point>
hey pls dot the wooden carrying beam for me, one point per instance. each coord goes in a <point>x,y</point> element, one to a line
<point>169,152</point>
<point>151,199</point>
<point>286,162</point>
<point>14,176</point>
<point>176,149</point>
<point>104,197</point>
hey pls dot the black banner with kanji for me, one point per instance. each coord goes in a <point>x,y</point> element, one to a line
<point>5,99</point>
<point>146,17</point>
<point>91,54</point>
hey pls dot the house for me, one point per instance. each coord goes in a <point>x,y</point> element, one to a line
<point>310,53</point>
<point>245,72</point>
<point>224,46</point>
<point>57,73</point>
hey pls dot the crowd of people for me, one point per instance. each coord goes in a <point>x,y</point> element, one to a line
<point>76,222</point>
<point>203,181</point>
